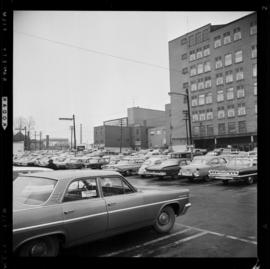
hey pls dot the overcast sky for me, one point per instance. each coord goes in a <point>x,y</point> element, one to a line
<point>95,64</point>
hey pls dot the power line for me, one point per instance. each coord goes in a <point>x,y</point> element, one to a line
<point>96,51</point>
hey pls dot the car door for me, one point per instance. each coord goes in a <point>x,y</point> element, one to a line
<point>84,210</point>
<point>124,204</point>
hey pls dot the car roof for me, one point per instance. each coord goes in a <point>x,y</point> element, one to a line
<point>73,173</point>
<point>23,168</point>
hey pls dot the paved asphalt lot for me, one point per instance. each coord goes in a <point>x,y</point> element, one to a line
<point>222,222</point>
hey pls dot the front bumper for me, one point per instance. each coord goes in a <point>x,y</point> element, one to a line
<point>185,209</point>
<point>153,173</point>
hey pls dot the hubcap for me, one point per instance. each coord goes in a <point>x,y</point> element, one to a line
<point>39,249</point>
<point>164,218</point>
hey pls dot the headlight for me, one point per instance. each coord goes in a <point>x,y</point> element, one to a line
<point>196,173</point>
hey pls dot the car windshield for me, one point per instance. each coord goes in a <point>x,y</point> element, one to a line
<point>32,190</point>
<point>199,161</point>
<point>93,160</point>
<point>170,162</point>
<point>239,162</point>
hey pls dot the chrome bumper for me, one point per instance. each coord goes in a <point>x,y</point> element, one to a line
<point>186,207</point>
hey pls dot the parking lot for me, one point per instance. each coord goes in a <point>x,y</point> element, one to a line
<point>221,222</point>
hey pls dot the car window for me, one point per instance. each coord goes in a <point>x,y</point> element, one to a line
<point>81,189</point>
<point>222,161</point>
<point>114,186</point>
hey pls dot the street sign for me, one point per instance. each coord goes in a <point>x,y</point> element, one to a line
<point>80,148</point>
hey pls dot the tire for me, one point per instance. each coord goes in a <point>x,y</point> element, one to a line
<point>225,182</point>
<point>165,220</point>
<point>160,177</point>
<point>40,247</point>
<point>190,179</point>
<point>207,179</point>
<point>250,180</point>
<point>142,176</point>
<point>174,176</point>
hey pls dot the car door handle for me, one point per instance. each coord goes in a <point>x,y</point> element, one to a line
<point>110,204</point>
<point>68,211</point>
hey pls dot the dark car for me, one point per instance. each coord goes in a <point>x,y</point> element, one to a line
<point>237,169</point>
<point>71,207</point>
<point>167,168</point>
<point>96,162</point>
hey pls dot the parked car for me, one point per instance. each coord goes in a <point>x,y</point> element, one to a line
<point>200,165</point>
<point>126,166</point>
<point>27,170</point>
<point>74,163</point>
<point>71,207</point>
<point>154,160</point>
<point>61,162</point>
<point>96,162</point>
<point>237,169</point>
<point>169,167</point>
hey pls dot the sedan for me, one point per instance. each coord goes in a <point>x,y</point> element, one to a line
<point>71,207</point>
<point>237,169</point>
<point>200,165</point>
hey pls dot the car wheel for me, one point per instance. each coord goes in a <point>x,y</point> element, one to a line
<point>165,220</point>
<point>174,177</point>
<point>160,177</point>
<point>207,179</point>
<point>250,180</point>
<point>41,247</point>
<point>225,182</point>
<point>142,176</point>
<point>190,179</point>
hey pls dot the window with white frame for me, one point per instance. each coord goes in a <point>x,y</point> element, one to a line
<point>195,116</point>
<point>239,73</point>
<point>200,84</point>
<point>219,79</point>
<point>255,88</point>
<point>184,56</point>
<point>207,82</point>
<point>238,56</point>
<point>194,101</point>
<point>220,96</point>
<point>199,68</point>
<point>240,91</point>
<point>201,99</point>
<point>254,51</point>
<point>193,86</point>
<point>253,28</point>
<point>221,112</point>
<point>237,34</point>
<point>202,115</point>
<point>207,66</point>
<point>230,94</point>
<point>254,70</point>
<point>208,99</point>
<point>218,62</point>
<point>199,53</point>
<point>209,114</point>
<point>193,70</point>
<point>228,59</point>
<point>217,41</point>
<point>227,38</point>
<point>229,76</point>
<point>192,55</point>
<point>230,111</point>
<point>241,109</point>
<point>255,108</point>
<point>206,50</point>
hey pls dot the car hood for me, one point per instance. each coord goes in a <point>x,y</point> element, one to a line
<point>161,166</point>
<point>195,166</point>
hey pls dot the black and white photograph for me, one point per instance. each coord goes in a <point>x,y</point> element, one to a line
<point>134,134</point>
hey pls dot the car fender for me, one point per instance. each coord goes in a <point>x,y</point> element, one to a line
<point>175,205</point>
<point>61,233</point>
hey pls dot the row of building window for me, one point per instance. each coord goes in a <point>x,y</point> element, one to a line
<point>208,130</point>
<point>199,53</point>
<point>203,115</point>
<point>237,35</point>
<point>207,98</point>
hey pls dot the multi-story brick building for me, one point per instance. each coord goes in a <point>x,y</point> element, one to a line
<point>218,66</point>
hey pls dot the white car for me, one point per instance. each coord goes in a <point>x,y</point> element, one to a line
<point>156,159</point>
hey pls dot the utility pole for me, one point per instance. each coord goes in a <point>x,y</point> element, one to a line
<point>28,141</point>
<point>40,140</point>
<point>71,135</point>
<point>35,140</point>
<point>80,133</point>
<point>121,131</point>
<point>186,119</point>
<point>74,131</point>
<point>189,118</point>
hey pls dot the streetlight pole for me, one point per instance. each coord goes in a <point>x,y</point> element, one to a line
<point>74,127</point>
